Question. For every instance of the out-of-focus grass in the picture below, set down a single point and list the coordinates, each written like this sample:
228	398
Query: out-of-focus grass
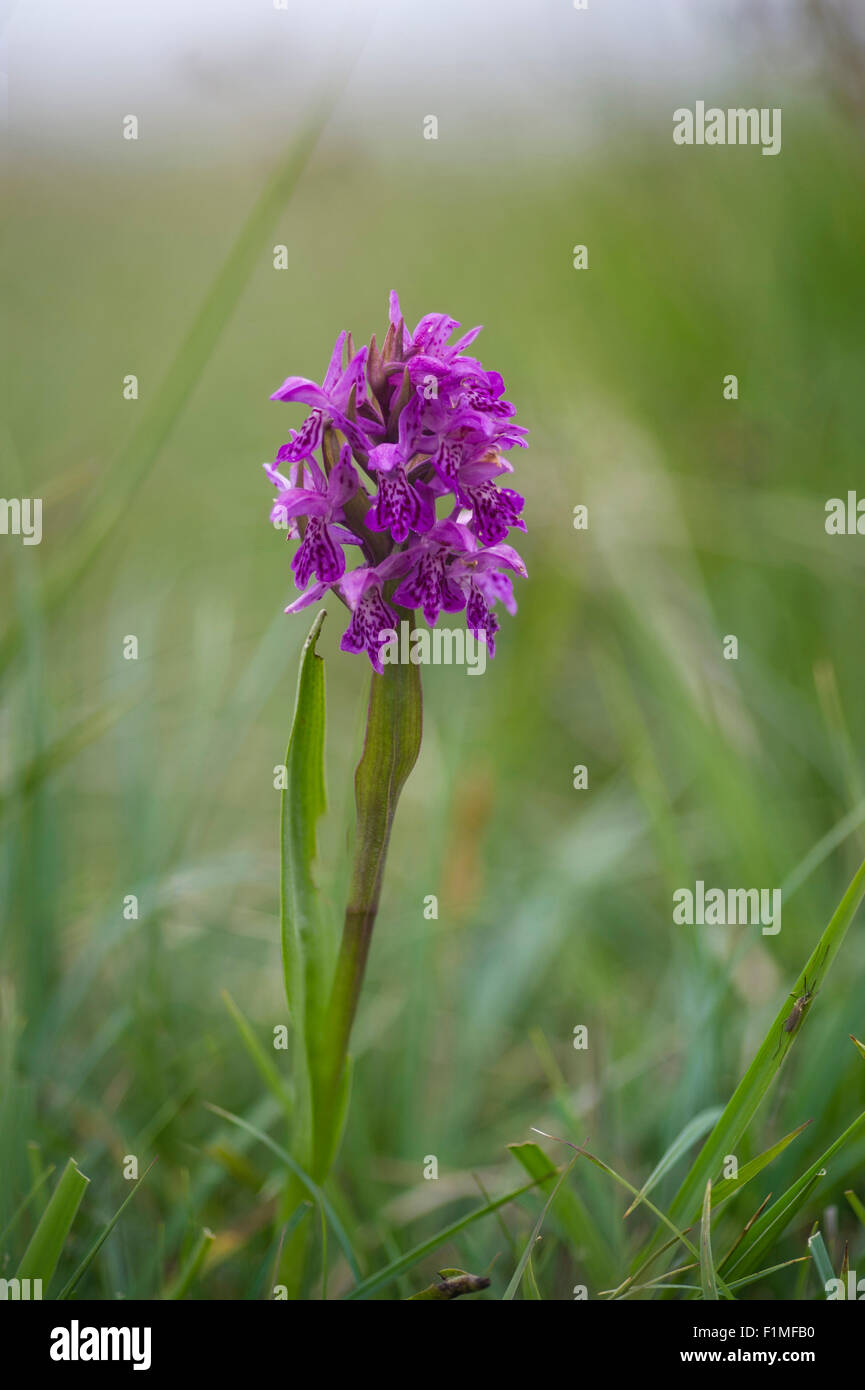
706	518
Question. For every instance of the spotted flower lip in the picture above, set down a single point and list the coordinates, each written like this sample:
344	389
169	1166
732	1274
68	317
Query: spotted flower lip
320	550
400	458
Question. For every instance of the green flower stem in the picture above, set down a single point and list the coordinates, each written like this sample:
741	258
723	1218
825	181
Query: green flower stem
391	747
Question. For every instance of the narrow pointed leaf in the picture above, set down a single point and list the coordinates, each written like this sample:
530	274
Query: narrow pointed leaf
72	1283
39	1260
536	1230
707	1269
693	1130
820	1256
312	1187
399	1266
748	1095
767	1227
727	1187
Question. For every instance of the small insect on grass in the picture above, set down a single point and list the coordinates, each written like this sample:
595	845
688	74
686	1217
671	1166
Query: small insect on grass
801	1003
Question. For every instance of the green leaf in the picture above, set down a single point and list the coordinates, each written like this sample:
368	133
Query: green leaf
303	802
770	1057
661	1215
191	1267
290	1226
39	1260
856	1205
707	1268
403	1262
820	1256
531	1292
264	1064
305	956
572	1215
727	1187
774	1220
71	1284
19	1211
693	1130
305	1180
509	1292
764	1273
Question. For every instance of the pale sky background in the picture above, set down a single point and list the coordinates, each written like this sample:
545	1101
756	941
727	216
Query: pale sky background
213	77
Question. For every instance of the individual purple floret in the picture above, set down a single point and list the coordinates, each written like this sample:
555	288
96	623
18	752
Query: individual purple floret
401	457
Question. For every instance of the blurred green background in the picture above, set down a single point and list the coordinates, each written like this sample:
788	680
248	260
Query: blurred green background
155	776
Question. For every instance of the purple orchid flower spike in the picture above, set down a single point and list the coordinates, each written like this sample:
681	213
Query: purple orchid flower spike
417	426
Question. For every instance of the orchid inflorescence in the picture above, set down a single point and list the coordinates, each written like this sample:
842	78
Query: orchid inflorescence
398	429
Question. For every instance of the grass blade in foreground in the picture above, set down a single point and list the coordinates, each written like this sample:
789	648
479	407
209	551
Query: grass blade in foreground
305	1180
509	1292
765	1066
403	1262
707	1269
39	1260
71	1284
693	1130
820	1256
727	1187
772	1221
191	1268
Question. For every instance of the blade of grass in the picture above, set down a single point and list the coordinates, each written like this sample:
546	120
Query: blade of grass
23	1205
708	1282
856	1205
767	1228
263	1064
696	1288
755	1083
191	1267
784	1209
39	1260
820	1256
571	1213
72	1283
693	1130
302	1210
629	1187
403	1262
728	1187
531	1292
306	1181
514	1284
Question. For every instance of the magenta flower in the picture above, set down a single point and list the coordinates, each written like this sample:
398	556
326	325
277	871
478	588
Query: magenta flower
320	550
370	617
413	482
400	506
